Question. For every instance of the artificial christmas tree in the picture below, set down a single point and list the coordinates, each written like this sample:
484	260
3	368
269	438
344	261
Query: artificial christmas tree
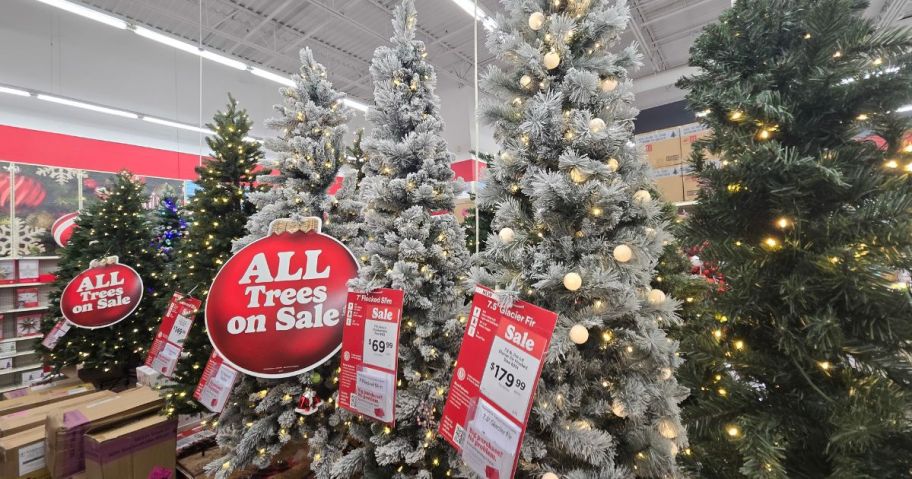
117	225
576	231
407	180
477	223
344	217
218	215
170	226
807	370
260	417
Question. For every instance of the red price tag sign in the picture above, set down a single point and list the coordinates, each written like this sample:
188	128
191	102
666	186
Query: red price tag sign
370	354
497	371
215	384
101	296
169	341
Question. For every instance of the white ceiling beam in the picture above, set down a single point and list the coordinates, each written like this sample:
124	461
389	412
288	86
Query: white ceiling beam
266	20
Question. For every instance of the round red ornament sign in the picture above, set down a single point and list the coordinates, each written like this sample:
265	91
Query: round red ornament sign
275	308
102	295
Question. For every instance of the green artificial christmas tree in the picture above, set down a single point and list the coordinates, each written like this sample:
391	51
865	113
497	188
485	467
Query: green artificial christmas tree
217	213
407	178
806	359
576	231
170	226
259	418
117	225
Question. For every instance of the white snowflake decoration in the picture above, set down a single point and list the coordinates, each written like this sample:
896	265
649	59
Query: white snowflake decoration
30	239
12	168
61	175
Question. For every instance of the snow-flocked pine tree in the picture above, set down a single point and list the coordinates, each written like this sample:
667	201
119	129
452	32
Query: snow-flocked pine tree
259	418
576	231
344	217
416	245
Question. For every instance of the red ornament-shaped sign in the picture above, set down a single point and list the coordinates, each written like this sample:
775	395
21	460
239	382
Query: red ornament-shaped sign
275	308
102	295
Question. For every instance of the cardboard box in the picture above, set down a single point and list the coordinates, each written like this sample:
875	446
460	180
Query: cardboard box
669	183
36	416
27	271
64	390
7	271
65	428
22	455
134	450
691	133
663	147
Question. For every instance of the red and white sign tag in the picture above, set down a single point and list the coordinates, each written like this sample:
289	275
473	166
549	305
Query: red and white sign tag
490	395
275	308
215	384
370	354
53	336
169	341
102	295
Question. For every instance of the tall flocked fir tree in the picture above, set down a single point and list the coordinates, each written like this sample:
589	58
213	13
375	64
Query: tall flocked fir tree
259	418
576	231
411	246
807	365
117	225
344	216
218	213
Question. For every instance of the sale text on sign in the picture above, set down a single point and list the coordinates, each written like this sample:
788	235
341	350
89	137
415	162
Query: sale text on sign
497	371
169	341
370	354
102	295
275	307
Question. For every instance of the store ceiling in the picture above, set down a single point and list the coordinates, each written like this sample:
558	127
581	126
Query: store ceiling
344	33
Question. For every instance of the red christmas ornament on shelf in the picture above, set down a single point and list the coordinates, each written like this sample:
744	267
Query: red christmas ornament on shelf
29	191
89	183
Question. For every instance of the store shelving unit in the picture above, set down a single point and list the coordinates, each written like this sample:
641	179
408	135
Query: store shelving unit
21	349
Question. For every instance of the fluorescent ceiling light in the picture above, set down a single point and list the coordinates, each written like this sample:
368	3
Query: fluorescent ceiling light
87	106
13	91
229	62
272	76
87	13
470	8
904	109
166	40
175	124
357	105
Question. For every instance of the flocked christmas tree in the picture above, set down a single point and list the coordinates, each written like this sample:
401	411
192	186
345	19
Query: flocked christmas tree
407	181
117	225
344	217
259	418
578	233
807	369
218	213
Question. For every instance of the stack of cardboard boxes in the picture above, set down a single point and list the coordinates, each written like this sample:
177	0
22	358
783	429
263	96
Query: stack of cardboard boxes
75	431
668	152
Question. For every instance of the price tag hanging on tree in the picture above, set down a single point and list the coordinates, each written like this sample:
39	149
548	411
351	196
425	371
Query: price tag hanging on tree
215	384
370	354
102	295
491	392
169	341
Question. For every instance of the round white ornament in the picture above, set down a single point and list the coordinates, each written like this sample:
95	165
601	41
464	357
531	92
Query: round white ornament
665	374
506	157
577	175
551	60
536	21
623	253
579	334
655	297
609	84
506	235
667	428
618	408
573	281
525	81
613	164
549	475
642	196
596	125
